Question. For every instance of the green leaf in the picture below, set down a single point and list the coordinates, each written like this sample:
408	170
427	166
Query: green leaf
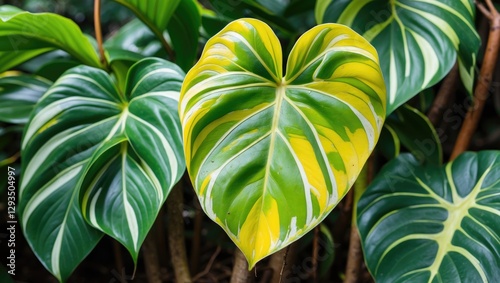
271	155
25	35
416	133
136	37
418	40
183	30
18	96
120	61
433	224
91	151
155	14
389	144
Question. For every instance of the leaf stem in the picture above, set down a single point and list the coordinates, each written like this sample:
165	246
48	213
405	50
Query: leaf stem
98	31
484	82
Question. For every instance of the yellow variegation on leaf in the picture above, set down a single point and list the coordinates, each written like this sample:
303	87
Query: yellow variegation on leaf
271	155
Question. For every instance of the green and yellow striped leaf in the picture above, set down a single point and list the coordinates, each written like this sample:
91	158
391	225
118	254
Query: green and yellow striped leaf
417	40
92	154
433	224
271	155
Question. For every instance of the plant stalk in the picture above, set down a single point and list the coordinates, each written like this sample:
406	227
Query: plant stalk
484	82
151	260
444	96
175	203
240	269
355	256
98	31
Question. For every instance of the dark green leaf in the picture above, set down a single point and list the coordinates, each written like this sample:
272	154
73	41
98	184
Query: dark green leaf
18	96
416	133
183	29
427	223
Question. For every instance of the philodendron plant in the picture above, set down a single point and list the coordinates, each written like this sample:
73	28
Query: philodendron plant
271	144
270	155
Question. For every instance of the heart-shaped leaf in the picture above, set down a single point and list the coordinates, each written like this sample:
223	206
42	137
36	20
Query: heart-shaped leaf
270	156
418	41
433	224
113	156
25	35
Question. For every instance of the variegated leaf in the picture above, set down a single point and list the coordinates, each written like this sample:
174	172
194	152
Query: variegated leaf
417	40
270	156
90	151
433	223
18	95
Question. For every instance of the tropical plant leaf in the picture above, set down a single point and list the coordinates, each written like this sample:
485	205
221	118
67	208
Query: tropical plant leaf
420	138
418	40
18	96
270	156
155	14
136	37
25	35
183	29
433	224
113	155
389	144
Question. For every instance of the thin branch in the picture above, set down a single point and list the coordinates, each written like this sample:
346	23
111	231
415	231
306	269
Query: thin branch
196	241
484	10
482	89
209	265
98	31
443	98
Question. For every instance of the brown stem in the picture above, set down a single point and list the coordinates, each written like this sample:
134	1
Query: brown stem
175	203
278	263
209	265
354	256
151	260
98	31
315	251
444	96
481	92
196	242
119	261
240	269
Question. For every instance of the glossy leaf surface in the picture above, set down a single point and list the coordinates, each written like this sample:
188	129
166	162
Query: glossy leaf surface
433	224
90	151
415	132
271	155
25	35
417	41
183	30
18	96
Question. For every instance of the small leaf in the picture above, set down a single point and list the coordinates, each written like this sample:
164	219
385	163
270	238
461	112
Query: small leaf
271	155
417	134
18	96
427	223
25	35
136	37
155	14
